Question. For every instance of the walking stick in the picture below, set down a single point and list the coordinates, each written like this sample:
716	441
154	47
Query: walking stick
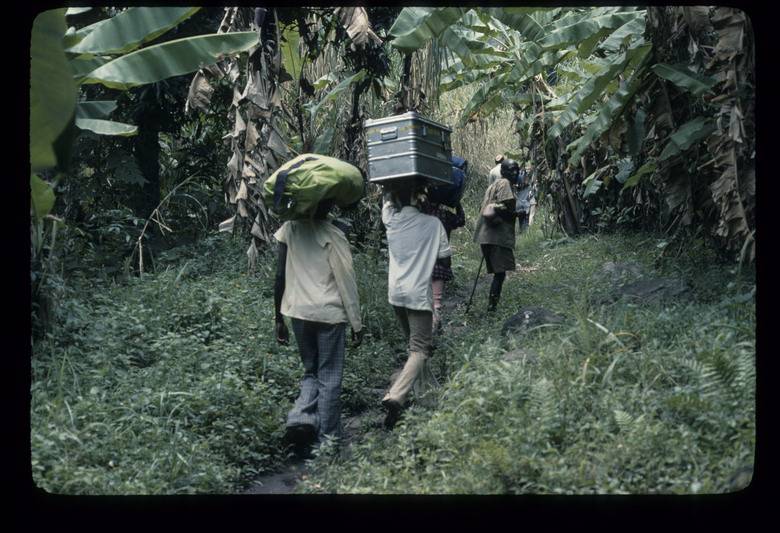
475	284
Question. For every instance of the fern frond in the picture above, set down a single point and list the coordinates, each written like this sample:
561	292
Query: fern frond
624	421
706	377
744	382
542	401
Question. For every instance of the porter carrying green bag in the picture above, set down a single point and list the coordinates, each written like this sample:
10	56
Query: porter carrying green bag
295	189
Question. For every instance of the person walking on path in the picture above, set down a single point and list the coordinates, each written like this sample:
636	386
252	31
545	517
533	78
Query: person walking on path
415	241
495	172
524	194
316	288
442	268
495	231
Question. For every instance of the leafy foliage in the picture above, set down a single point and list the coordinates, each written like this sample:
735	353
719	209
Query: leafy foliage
613	68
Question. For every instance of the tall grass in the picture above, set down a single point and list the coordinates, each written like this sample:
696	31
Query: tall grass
620	398
173	382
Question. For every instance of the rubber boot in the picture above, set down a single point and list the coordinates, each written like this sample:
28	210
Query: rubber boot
493	302
495	291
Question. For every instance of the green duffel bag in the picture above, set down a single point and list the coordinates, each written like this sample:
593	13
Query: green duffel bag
295	189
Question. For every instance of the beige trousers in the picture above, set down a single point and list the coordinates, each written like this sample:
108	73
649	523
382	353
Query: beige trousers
416	326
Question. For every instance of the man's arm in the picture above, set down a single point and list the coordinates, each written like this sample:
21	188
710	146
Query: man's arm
388	207
282	334
444	250
505	202
506	210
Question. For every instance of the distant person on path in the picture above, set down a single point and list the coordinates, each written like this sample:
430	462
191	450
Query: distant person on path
495	231
532	209
415	241
495	172
442	269
524	197
316	288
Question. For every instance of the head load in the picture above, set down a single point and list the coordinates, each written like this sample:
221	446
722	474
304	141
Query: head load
298	187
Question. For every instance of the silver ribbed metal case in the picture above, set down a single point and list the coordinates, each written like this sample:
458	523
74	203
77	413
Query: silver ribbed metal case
406	145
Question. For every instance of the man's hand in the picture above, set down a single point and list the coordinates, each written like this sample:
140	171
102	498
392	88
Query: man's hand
357	338
282	333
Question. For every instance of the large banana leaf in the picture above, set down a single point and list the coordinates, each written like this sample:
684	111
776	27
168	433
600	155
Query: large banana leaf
52	91
584	29
130	29
334	93
415	26
86	63
609	112
629	31
594	88
174	58
486	99
684	78
472	52
647	168
521	73
41	197
590	91
585	48
106	127
457	75
520	19
626	32
324	140
686	136
291	55
325	80
95	109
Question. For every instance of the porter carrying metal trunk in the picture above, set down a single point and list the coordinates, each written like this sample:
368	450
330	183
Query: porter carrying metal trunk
406	146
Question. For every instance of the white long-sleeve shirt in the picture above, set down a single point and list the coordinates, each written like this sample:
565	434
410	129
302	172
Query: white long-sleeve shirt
415	241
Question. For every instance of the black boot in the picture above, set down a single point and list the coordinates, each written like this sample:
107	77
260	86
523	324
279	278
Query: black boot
492	302
495	291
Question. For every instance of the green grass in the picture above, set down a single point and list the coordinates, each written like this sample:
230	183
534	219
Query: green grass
622	398
173	383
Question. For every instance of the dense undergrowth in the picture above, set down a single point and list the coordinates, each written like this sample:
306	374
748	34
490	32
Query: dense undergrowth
173	383
619	398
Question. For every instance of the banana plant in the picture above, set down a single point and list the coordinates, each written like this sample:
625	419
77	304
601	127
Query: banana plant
111	52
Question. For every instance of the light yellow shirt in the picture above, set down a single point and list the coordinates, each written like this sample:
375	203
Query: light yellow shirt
414	241
320	281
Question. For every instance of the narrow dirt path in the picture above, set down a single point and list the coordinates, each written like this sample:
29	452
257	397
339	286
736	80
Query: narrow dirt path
286	480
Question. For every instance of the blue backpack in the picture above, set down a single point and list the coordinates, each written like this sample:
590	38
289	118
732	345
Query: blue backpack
450	195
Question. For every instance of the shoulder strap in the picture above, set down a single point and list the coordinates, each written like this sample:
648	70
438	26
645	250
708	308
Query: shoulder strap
281	180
